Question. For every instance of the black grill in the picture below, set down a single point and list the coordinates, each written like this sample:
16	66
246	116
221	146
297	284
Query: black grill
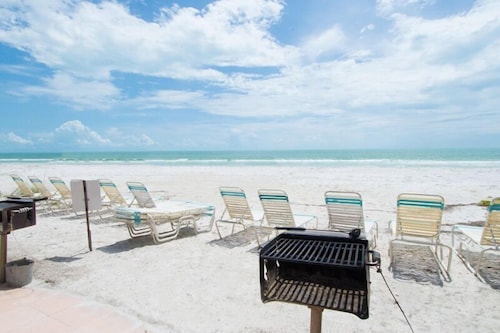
324	269
14	214
17	214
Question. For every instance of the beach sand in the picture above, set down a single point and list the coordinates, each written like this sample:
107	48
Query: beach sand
198	283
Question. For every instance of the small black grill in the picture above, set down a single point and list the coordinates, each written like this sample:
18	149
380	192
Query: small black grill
15	213
321	269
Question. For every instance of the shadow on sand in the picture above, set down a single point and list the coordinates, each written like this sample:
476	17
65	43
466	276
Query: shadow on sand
416	263
242	238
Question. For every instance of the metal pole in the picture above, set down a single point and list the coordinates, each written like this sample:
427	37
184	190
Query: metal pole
89	236
316	317
3	257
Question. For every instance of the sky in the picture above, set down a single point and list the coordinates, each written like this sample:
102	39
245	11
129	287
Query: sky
135	75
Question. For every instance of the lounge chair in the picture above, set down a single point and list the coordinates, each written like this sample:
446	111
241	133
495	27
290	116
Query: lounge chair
419	222
141	195
23	189
487	238
278	213
115	198
237	211
63	190
345	213
52	198
175	214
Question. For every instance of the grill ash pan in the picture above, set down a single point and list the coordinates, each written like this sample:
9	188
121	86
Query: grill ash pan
323	269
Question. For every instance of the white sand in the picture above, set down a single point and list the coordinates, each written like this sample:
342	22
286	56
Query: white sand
193	284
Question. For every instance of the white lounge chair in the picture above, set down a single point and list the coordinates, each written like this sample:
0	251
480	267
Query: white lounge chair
237	211
53	199
115	198
485	238
63	190
23	189
164	223
142	196
278	214
418	221
345	213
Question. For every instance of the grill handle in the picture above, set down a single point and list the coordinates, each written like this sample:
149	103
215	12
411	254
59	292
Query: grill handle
374	259
290	228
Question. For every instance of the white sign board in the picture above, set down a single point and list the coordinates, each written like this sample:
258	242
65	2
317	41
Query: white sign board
93	195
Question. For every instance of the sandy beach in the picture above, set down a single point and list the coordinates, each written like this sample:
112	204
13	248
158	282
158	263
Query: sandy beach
198	283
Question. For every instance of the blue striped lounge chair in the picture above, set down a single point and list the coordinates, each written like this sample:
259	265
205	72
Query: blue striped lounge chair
237	210
419	218
485	238
345	213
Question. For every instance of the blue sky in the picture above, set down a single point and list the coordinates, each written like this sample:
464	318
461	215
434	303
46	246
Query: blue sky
239	74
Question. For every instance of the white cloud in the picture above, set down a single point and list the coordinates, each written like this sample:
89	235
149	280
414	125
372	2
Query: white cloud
91	40
387	7
14	138
75	131
78	93
327	43
129	139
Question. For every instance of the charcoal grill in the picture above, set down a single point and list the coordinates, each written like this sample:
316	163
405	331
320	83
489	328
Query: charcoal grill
14	214
320	269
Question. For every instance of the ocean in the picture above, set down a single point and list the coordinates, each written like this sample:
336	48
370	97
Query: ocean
487	157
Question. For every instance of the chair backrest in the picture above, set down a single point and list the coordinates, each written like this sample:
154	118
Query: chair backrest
24	190
141	194
419	215
61	187
110	189
236	203
277	210
40	187
345	210
491	231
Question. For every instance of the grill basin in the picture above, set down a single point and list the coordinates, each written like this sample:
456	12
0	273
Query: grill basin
322	269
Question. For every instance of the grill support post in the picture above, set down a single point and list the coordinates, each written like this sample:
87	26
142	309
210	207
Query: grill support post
316	318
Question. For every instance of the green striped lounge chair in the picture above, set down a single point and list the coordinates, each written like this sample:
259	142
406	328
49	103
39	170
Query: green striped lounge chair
115	198
278	213
485	238
419	218
345	213
237	210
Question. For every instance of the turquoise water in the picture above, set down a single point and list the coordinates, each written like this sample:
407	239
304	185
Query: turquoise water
377	157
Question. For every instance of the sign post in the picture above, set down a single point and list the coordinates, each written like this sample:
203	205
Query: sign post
86	196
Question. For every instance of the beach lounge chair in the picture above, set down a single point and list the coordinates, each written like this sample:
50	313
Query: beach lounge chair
237	211
23	189
52	198
164	222
115	198
485	238
63	190
345	213
141	195
278	213
418	221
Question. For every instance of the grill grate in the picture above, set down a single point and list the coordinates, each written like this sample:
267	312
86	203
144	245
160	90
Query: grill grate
316	252
320	295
